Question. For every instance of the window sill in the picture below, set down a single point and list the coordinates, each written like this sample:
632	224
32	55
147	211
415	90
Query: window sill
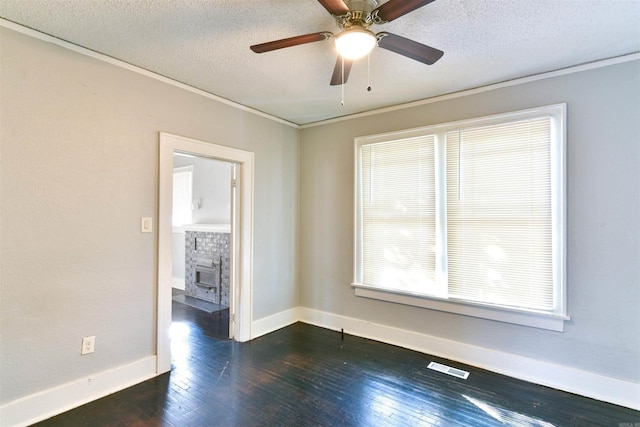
532	319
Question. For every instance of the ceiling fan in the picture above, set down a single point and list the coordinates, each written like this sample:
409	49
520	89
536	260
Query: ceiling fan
355	40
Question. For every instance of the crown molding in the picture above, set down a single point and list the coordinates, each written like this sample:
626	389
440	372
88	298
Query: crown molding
122	64
521	80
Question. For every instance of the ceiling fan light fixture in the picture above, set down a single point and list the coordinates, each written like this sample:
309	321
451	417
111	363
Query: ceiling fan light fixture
355	43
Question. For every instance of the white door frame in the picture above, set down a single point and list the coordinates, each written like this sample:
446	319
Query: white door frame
241	299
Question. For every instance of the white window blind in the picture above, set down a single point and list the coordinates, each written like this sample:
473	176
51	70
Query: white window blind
499	246
398	214
467	213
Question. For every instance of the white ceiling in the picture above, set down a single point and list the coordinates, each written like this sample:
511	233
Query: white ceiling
205	44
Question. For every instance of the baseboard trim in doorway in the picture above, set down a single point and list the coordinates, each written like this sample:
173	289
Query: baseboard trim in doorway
48	403
177	282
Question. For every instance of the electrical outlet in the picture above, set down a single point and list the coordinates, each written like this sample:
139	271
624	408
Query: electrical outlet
88	345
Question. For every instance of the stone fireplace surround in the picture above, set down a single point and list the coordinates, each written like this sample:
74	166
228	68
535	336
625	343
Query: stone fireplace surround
207	263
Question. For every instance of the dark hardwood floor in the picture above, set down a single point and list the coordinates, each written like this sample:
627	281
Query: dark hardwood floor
303	375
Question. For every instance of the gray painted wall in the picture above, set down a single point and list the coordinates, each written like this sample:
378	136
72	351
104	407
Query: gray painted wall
603	228
79	167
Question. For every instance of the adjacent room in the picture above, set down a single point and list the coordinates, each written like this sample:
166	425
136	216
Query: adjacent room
201	226
442	228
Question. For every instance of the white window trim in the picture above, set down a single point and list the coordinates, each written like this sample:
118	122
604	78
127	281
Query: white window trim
543	320
185	169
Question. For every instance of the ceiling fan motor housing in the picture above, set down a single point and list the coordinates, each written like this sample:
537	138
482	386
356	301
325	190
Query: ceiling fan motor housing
363	5
359	15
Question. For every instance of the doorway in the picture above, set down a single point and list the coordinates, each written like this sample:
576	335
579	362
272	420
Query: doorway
240	228
201	250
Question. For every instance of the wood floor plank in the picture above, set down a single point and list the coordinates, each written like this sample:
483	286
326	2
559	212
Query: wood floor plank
303	375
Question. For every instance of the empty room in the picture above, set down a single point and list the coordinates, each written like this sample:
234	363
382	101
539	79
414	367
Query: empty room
426	212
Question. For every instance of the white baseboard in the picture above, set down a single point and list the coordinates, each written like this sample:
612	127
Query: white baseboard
46	404
560	377
177	282
274	322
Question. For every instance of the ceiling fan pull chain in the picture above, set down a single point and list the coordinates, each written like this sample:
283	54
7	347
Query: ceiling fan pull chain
369	72
342	85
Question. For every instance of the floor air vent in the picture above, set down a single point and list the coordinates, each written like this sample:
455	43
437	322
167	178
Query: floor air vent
448	370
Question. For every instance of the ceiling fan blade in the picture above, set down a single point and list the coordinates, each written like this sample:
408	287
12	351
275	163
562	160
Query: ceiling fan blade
409	48
335	7
396	8
291	41
336	78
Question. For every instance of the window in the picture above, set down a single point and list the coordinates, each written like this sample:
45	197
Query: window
466	217
182	196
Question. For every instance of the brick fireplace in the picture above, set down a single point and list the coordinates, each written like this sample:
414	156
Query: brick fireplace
207	266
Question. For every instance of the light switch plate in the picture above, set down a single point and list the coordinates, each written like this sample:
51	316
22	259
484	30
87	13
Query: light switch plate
146	224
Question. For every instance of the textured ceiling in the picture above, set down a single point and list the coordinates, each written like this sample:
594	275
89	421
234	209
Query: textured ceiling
205	44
